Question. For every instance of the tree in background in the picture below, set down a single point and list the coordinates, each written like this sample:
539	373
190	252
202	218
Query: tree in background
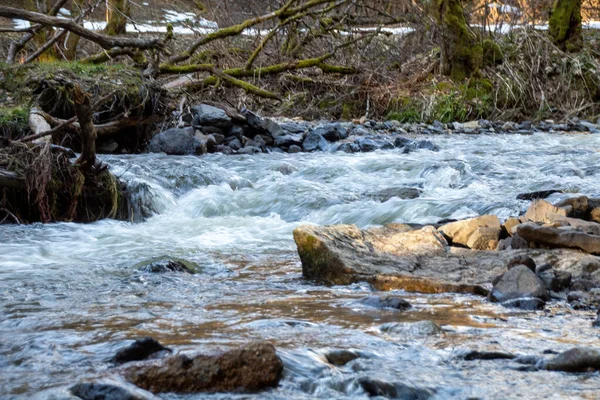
565	24
461	53
69	46
117	13
42	6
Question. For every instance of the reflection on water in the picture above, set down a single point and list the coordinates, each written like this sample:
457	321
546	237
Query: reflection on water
70	296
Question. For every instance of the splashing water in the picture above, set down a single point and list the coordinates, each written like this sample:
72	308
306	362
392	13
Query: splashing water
71	294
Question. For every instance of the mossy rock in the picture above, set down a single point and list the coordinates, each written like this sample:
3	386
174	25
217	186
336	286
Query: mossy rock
166	264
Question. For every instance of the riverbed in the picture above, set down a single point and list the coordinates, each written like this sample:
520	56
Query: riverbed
73	294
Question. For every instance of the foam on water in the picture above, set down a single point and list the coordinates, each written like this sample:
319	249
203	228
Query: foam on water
71	294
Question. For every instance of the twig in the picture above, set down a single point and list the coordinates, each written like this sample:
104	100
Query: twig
65	124
9	214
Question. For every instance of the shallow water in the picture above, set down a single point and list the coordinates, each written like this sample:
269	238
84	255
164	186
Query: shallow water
71	294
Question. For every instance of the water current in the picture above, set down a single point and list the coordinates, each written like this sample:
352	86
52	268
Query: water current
73	294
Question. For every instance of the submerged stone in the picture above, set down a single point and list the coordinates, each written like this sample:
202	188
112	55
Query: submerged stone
394	390
109	389
139	350
578	359
341	357
251	368
394	302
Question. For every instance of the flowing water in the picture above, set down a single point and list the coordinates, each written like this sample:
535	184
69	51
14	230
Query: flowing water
73	294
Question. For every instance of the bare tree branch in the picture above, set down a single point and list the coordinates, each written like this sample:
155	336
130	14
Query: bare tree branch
105	41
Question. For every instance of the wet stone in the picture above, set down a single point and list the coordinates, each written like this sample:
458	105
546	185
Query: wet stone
412	329
487	355
517	283
526	303
108	389
164	265
139	350
394	390
578	359
341	357
394	302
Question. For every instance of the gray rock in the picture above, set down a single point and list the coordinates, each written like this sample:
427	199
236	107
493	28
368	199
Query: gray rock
522	259
210	130
412	329
541	194
139	350
361	131
487	355
237	131
555	281
286	141
176	142
294	149
341	357
394	302
250	150
350	148
235	144
262	125
578	359
559	238
399	192
527	303
314	142
224	149
367	145
109	389
518	282
420	145
457	126
206	115
332	132
396	390
402	141
167	264
294	127
259	141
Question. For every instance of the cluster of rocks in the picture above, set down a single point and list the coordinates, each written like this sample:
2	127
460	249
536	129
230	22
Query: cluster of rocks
491	127
217	130
214	128
549	252
146	368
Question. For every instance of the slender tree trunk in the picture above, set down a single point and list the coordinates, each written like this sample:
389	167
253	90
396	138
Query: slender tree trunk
42	6
117	12
565	24
83	110
461	54
69	45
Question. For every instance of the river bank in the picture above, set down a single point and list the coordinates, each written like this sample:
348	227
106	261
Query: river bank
79	295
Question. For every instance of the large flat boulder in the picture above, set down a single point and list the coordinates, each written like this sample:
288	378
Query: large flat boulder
398	257
250	368
559	238
394	257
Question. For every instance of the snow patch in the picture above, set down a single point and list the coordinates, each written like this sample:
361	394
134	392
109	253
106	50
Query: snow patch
21	24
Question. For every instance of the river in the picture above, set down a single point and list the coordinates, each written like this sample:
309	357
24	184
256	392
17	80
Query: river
72	294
